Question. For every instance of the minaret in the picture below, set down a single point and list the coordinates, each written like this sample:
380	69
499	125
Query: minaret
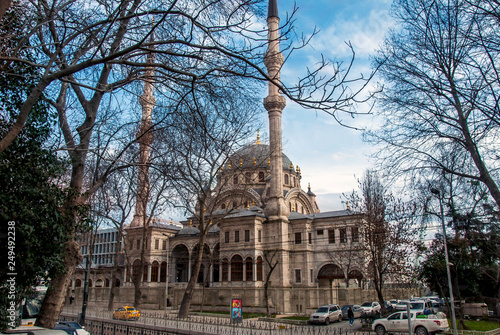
274	104
145	138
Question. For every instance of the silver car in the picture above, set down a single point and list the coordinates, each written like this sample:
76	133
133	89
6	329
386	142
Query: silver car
326	314
356	309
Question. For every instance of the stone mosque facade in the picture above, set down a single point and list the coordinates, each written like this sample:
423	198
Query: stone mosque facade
266	220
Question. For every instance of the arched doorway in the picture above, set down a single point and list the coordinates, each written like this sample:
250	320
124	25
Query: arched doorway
328	274
180	259
355	277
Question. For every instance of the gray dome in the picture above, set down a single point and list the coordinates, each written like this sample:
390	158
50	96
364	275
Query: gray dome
258	151
189	231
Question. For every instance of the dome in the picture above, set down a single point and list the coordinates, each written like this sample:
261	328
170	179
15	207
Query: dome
261	154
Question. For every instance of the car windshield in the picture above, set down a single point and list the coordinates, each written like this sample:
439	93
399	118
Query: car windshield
72	324
366	304
417	305
130	308
322	310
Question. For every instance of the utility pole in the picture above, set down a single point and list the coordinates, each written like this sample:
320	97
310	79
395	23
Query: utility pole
452	300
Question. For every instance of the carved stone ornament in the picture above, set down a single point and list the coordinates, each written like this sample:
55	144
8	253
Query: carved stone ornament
274	102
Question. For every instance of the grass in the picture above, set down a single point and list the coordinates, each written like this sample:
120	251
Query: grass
481	325
299	318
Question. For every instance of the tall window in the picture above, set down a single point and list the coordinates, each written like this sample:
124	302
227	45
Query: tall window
236	268
298	238
157	244
286	179
355	234
311	275
260	236
237	236
247	177
261	176
163	272
249	269
154	271
310	238
145	273
235	180
164	246
138	244
225	269
259	268
331	236
247	235
298	276
343	235
226	237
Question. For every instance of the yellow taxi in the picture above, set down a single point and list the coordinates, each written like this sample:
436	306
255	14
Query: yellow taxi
126	313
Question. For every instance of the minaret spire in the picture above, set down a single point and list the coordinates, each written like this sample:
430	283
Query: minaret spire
274	104
145	139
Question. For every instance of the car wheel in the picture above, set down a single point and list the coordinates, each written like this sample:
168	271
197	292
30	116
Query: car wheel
340	317
327	321
380	330
421	331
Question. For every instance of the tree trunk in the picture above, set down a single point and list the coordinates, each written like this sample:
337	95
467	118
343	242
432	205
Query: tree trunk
113	273
188	294
56	294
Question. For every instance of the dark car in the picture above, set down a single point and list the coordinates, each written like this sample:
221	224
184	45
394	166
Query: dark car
356	309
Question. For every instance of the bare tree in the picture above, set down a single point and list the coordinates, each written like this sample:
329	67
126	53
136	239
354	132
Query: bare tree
272	260
441	92
388	232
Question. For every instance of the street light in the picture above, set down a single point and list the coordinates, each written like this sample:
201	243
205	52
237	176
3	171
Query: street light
452	301
166	274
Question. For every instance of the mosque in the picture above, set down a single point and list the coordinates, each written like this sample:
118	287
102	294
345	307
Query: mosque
270	232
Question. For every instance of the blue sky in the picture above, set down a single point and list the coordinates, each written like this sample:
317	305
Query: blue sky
329	155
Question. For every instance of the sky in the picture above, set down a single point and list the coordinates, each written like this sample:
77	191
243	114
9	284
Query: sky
331	157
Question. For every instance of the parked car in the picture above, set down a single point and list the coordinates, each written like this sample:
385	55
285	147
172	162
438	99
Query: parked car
356	309
126	313
371	307
326	314
422	307
79	329
398	323
401	305
34	330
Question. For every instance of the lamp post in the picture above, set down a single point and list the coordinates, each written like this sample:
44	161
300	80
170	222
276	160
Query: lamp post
166	274
452	300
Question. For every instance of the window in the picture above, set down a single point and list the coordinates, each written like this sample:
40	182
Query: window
164	246
261	176
138	244
163	272
298	277
157	244
247	235
154	271
237	236
319	232
235	180
260	235
249	269
331	236
237	268
310	238
247	178
311	275
286	179
225	268
226	237
355	234
298	238
259	268
343	235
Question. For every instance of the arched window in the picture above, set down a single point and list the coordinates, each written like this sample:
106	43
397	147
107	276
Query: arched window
236	268
235	180
78	283
163	272
259	268
249	269
286	179
225	269
247	177
261	176
145	273
223	206
154	272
